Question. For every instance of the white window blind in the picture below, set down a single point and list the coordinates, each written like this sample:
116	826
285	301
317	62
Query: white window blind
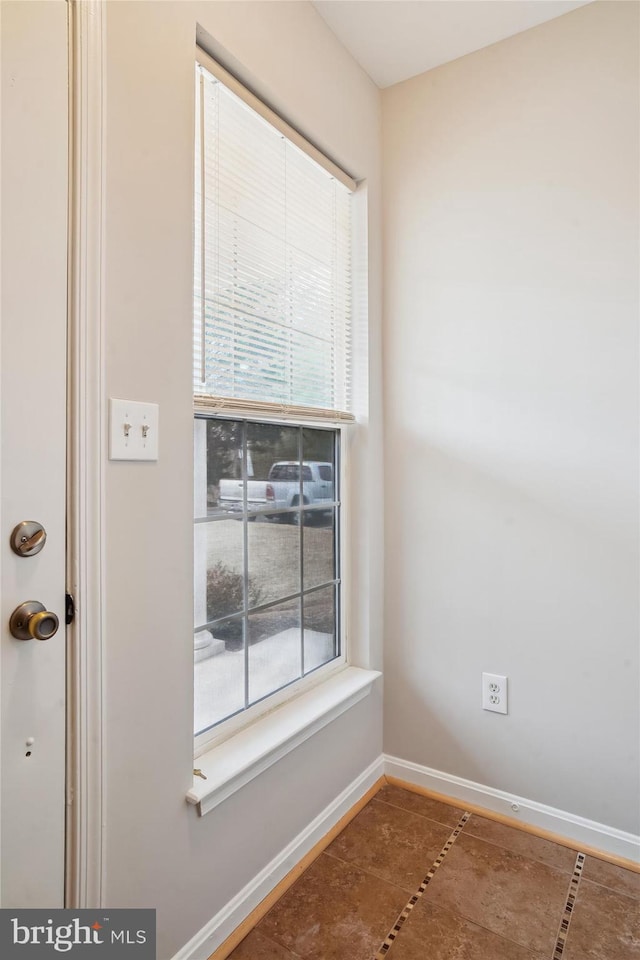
272	278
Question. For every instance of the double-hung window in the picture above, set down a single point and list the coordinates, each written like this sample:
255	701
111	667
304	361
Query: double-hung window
272	358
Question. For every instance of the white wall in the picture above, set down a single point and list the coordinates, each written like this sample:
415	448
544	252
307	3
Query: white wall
511	417
158	853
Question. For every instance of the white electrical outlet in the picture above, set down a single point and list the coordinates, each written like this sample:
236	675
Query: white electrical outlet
494	693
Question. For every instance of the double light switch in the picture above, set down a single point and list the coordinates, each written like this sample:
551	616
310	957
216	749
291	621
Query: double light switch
133	430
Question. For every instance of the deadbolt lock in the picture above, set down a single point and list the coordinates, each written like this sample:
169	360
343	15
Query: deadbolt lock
31	621
28	538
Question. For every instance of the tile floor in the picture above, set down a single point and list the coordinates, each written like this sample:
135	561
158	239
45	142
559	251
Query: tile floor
411	878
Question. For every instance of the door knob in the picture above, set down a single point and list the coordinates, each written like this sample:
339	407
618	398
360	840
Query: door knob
31	621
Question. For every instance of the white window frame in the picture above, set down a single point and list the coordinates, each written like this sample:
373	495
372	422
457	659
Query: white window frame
261	734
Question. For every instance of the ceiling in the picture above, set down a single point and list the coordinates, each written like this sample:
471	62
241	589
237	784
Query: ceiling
396	39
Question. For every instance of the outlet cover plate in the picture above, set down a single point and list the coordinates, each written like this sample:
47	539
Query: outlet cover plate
494	693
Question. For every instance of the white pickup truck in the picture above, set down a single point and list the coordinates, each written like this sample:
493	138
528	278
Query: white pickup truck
282	488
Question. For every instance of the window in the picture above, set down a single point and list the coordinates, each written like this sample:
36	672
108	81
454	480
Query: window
272	309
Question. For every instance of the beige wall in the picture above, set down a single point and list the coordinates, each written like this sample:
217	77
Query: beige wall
158	853
511	416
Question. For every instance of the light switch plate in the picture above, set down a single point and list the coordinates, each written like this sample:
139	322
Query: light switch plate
133	430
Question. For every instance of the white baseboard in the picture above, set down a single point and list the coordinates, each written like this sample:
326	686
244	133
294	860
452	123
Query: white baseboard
585	833
578	829
236	910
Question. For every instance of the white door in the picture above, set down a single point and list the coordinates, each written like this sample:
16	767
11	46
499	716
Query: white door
33	312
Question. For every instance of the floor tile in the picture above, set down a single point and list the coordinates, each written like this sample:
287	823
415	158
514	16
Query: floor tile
513	896
258	947
391	843
604	925
523	843
441	935
416	803
334	911
616	878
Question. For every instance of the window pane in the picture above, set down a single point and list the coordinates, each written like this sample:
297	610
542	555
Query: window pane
273	462
274	560
218	467
219	569
319	446
319	548
320	644
275	651
218	674
271	443
319	457
200	483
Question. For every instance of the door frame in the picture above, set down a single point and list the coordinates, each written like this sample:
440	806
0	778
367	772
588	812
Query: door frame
86	452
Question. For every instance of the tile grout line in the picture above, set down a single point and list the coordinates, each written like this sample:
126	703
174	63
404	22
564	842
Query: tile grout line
393	933
574	883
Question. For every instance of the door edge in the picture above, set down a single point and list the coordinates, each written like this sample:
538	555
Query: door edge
86	443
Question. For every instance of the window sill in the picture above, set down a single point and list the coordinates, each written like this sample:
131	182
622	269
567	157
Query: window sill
234	763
